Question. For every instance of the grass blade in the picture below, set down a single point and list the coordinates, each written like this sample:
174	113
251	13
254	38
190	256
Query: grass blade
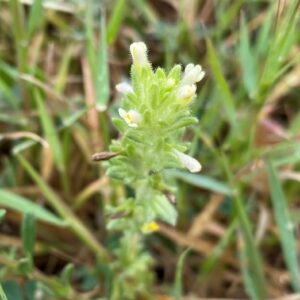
50	132
221	82
28	233
254	263
102	78
203	181
24	205
247	60
35	17
248	279
115	21
89	35
2	214
210	262
2	294
178	276
285	226
64	211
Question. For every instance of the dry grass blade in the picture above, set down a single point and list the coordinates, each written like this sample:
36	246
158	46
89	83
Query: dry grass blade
202	220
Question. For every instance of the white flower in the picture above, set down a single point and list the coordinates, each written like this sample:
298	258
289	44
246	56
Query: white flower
186	93
188	162
138	52
124	88
192	74
131	117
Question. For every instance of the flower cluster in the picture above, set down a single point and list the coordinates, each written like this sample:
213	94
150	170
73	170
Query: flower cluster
153	116
156	103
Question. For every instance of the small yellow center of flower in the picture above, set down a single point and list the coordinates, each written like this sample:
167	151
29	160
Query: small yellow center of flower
150	227
128	118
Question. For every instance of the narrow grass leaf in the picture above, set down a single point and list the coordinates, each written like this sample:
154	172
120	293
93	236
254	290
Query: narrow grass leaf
178	275
115	21
50	132
2	214
35	17
62	76
63	210
219	249
247	60
253	264
264	36
102	77
2	294
285	226
282	43
28	233
146	10
24	205
221	82
202	181
89	33
248	279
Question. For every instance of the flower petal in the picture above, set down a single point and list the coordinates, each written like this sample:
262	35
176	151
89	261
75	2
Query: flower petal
189	162
192	74
138	52
135	116
124	88
186	93
150	227
122	113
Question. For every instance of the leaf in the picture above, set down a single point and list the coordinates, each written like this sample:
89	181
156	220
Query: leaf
12	290
2	294
24	205
221	82
209	263
102	77
247	60
50	132
28	233
203	181
178	276
285	226
164	210
67	273
248	278
115	21
35	17
2	214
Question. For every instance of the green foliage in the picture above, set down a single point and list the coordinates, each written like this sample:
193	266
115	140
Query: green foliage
69	231
285	225
28	234
21	204
179	273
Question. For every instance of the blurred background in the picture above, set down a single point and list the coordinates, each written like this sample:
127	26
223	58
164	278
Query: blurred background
59	64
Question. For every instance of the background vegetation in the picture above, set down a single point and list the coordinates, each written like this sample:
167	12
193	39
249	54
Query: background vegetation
59	63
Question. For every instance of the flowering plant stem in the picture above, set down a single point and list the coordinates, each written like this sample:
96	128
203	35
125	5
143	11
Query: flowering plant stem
154	113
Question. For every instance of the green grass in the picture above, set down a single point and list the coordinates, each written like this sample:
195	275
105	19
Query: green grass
59	63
